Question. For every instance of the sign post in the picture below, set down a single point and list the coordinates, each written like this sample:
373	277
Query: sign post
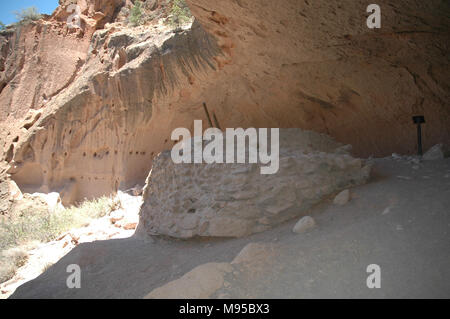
419	120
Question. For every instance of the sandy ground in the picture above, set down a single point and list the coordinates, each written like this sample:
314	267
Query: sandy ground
400	221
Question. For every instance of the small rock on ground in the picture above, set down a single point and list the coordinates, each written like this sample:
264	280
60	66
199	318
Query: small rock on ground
342	198
434	153
253	252
199	283
304	224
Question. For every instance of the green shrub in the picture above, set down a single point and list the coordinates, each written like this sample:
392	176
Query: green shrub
2	26
136	12
27	15
179	13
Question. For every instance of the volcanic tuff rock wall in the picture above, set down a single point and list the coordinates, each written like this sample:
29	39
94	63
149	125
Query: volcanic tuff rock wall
101	132
40	59
85	112
314	64
37	62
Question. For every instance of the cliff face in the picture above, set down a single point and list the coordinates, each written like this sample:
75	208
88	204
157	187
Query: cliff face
40	59
85	111
100	131
316	65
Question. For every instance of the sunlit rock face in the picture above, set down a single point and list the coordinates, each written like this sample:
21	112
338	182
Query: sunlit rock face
234	200
100	132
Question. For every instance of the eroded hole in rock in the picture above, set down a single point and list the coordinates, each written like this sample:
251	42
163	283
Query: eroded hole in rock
10	153
28	125
2	86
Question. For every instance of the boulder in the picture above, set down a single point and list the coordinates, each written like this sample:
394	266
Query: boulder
234	200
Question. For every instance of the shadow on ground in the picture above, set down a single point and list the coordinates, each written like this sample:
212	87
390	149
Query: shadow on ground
400	221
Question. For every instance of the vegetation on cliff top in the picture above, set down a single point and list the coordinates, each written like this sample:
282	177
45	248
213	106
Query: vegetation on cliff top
136	13
179	13
176	11
27	15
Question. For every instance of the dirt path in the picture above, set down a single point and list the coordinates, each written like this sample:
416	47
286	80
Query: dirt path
399	221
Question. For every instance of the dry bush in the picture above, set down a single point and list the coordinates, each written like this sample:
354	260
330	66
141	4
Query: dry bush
11	260
27	15
43	226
